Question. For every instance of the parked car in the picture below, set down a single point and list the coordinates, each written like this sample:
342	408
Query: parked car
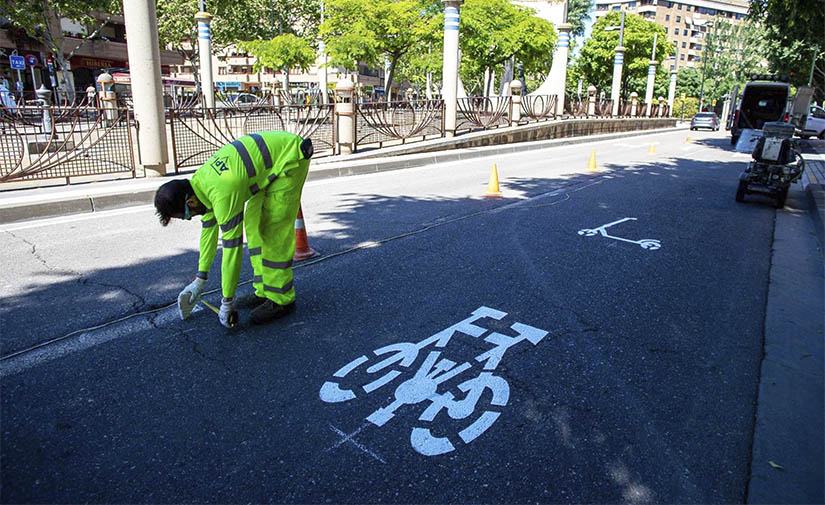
764	99
239	101
815	125
705	120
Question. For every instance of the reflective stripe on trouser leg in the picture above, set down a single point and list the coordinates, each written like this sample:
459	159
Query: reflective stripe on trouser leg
283	197
254	241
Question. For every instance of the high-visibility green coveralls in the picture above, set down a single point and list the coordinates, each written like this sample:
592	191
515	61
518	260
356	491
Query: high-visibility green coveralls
266	171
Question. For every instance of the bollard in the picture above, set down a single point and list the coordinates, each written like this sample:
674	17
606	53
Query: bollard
44	100
591	100
516	89
345	116
108	98
634	103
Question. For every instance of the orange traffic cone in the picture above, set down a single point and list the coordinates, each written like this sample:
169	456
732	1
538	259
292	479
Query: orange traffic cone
492	186
302	249
591	163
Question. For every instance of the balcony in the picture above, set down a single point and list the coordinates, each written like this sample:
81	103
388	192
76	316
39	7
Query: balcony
646	8
241	60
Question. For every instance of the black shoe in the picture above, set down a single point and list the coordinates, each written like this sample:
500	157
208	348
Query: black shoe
248	301
269	311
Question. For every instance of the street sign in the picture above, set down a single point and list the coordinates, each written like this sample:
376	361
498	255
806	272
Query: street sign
31	60
17	62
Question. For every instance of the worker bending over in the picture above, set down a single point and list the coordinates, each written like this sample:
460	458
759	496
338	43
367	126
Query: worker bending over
265	172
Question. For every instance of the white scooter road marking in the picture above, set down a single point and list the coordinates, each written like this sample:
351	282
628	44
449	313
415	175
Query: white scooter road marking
645	243
434	373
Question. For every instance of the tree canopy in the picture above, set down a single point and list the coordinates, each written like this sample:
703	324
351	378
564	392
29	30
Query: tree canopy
793	32
596	59
378	31
493	31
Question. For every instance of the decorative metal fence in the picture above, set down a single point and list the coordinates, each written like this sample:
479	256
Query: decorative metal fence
196	133
383	122
539	107
44	142
482	112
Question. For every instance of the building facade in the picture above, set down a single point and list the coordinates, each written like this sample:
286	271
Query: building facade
686	22
87	57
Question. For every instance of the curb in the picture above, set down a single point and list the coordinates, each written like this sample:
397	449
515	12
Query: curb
84	203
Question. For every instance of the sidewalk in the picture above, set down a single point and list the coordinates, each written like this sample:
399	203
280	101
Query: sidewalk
787	460
814	181
37	203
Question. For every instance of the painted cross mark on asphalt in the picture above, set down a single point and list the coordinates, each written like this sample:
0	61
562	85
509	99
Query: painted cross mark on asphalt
646	243
350	438
440	383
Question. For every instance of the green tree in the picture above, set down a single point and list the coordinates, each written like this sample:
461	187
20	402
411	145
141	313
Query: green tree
578	14
596	57
282	52
379	31
688	82
732	53
793	32
494	31
233	21
40	19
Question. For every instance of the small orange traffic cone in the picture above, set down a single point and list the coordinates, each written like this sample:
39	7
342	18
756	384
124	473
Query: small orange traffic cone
302	249
492	186
652	149
687	140
591	163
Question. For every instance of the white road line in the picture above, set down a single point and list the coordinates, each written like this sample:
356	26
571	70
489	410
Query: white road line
73	218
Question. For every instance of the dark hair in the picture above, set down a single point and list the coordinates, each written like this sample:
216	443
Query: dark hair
170	199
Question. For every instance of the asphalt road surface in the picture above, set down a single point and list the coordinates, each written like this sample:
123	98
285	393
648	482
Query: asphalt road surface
589	337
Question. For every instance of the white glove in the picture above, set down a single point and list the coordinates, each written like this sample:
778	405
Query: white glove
227	314
194	289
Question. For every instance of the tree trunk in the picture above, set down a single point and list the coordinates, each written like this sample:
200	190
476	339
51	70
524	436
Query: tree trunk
388	88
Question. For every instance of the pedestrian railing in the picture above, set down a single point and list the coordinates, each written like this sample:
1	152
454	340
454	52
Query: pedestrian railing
398	122
196	133
89	136
52	141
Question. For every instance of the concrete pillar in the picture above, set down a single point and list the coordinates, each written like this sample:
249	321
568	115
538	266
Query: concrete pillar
450	68
205	57
558	72
591	100
618	62
147	93
345	115
651	77
634	103
671	90
516	88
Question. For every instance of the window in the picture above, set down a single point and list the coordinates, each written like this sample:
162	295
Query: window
667	17
675	31
711	12
702	10
679	6
678	19
601	7
684	45
631	5
698	47
665	30
681	56
617	7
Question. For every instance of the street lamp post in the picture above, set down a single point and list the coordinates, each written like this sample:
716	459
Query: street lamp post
618	62
651	74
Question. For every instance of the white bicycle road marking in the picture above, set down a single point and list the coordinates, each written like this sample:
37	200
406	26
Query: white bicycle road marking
645	243
435	373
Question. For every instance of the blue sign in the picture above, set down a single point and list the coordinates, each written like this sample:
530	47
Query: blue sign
17	62
31	60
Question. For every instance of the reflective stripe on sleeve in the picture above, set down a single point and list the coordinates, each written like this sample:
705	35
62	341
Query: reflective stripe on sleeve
209	223
233	242
254	188
255	251
233	222
280	265
247	161
259	141
282	290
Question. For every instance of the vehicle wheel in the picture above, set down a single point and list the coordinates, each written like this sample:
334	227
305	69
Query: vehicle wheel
780	199
741	190
733	140
821	135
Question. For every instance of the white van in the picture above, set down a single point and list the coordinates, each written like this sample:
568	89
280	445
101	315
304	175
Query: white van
764	99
